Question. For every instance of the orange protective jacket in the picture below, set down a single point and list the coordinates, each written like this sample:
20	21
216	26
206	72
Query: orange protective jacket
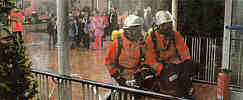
171	55
128	59
16	22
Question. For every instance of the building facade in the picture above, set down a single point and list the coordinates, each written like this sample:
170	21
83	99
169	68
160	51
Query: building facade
98	4
121	5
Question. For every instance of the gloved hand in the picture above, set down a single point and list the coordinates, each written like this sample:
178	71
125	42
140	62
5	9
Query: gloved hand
119	79
145	77
122	81
132	83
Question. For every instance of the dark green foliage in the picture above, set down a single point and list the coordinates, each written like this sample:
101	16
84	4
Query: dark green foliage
16	81
205	17
6	5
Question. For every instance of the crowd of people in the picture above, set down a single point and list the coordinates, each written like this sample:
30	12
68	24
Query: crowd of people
94	26
88	26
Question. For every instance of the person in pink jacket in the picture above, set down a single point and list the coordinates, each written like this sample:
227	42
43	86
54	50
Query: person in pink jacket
99	31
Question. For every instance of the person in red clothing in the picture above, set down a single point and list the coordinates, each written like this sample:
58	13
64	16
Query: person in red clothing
106	27
170	44
16	22
105	19
167	47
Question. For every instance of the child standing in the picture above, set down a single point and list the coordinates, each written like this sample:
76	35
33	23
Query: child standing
99	31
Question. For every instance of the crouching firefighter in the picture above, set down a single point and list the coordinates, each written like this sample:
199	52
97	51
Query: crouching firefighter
167	46
125	56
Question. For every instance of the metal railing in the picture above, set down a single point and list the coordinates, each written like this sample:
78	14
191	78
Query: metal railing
51	86
236	54
208	52
205	51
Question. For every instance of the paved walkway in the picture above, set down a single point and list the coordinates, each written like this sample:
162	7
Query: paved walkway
85	63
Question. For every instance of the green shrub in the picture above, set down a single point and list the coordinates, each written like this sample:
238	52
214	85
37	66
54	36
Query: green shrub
16	81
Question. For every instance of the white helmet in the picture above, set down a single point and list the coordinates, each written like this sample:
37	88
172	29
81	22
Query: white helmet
163	17
16	10
133	20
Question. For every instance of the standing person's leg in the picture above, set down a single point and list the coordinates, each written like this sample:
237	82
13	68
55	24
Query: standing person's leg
106	30
88	40
54	39
104	34
78	40
112	28
75	40
49	42
81	39
15	36
95	44
93	38
53	36
109	32
100	41
85	39
71	42
20	37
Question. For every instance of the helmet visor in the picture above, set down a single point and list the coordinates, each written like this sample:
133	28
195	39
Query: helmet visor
134	29
134	33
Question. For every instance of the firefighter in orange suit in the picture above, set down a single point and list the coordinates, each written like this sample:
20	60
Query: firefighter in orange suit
167	46
169	43
127	52
16	22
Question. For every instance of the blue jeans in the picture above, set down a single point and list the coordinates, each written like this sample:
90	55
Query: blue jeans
71	42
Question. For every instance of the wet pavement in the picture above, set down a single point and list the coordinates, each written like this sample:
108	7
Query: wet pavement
85	63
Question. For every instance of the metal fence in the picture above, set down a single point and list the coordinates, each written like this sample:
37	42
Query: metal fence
203	50
52	86
207	51
236	54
